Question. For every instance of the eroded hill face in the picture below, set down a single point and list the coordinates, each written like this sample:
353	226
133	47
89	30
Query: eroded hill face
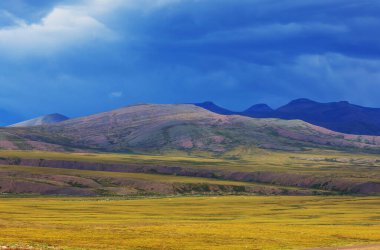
158	128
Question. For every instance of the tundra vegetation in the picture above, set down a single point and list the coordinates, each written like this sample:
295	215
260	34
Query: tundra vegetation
212	222
134	201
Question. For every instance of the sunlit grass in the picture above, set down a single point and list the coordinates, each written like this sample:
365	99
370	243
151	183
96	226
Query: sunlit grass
190	223
231	222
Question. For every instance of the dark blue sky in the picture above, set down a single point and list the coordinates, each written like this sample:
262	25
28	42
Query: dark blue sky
81	57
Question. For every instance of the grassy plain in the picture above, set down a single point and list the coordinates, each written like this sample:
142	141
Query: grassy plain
348	165
220	222
223	222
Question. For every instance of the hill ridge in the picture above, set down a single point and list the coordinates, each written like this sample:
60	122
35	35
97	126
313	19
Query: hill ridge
184	127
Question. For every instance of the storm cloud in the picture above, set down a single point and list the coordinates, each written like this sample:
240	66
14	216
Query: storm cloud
72	56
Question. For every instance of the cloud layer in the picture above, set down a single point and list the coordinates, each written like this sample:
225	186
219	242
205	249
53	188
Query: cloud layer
76	57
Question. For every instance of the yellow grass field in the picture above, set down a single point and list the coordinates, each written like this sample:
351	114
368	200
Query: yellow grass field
221	222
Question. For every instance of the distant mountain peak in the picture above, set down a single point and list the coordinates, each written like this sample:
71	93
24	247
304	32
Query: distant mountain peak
261	108
42	120
208	103
56	115
214	108
302	101
344	102
340	116
298	104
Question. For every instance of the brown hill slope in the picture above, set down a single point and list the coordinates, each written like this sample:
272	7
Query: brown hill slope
156	128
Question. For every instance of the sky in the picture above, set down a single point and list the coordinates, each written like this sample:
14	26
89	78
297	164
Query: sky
86	56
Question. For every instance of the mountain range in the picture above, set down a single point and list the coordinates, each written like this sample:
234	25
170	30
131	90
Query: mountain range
182	127
341	116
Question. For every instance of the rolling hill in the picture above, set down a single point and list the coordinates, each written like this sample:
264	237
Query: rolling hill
42	120
183	127
266	156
